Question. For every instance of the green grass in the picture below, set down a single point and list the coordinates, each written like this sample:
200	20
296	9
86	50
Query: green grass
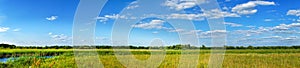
279	58
142	51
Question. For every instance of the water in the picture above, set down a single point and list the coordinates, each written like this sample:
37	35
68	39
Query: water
4	60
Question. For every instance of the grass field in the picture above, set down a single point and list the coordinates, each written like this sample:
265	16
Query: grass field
278	58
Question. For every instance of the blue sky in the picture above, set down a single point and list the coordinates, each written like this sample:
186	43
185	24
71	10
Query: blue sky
248	22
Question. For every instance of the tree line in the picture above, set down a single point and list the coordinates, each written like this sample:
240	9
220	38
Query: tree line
178	46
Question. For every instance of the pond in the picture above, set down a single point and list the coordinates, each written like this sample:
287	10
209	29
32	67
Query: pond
4	60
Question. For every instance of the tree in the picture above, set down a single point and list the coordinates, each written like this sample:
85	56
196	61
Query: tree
7	46
203	47
250	47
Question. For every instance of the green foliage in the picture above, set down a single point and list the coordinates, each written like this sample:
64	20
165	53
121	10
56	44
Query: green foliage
239	58
3	65
7	46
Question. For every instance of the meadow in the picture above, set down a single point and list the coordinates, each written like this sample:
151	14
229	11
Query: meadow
244	58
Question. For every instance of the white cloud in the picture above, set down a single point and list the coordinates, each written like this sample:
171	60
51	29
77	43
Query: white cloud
268	20
105	18
4	29
59	37
155	32
290	38
273	37
216	13
153	24
233	24
134	2
179	4
114	16
211	14
225	8
249	7
132	5
281	38
102	19
279	28
213	34
215	31
283	29
251	26
16	30
186	16
50	33
192	32
285	26
293	12
52	18
176	30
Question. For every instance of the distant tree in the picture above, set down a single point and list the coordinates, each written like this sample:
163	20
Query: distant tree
7	46
296	47
203	47
240	47
178	46
250	47
230	47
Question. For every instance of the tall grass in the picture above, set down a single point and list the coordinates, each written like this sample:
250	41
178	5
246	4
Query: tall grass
232	59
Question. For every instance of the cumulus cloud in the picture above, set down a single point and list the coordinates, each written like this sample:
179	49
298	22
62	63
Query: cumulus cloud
264	41
280	27
105	18
216	13
184	31
4	29
294	12
52	18
213	34
233	24
249	7
153	24
210	14
215	31
132	5
114	16
186	16
180	5
285	26
176	30
283	29
102	19
59	37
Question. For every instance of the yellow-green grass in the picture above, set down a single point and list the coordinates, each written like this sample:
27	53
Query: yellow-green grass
267	58
172	61
143	50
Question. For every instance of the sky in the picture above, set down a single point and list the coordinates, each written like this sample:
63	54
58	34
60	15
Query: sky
248	22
